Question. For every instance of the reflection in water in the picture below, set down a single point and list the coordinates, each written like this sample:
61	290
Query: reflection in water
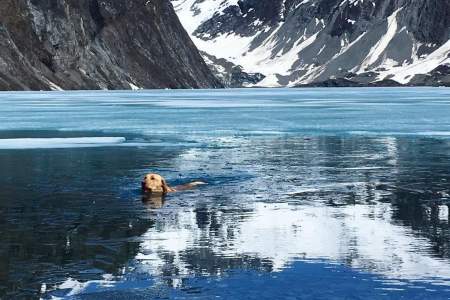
330	199
378	206
153	201
360	236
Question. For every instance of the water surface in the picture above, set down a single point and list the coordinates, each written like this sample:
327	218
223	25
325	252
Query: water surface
346	189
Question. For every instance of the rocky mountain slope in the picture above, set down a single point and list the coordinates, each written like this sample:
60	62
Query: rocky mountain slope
326	42
93	44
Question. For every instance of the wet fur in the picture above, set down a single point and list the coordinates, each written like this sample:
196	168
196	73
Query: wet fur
155	183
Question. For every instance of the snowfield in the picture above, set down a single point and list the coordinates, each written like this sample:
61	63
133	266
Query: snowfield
289	53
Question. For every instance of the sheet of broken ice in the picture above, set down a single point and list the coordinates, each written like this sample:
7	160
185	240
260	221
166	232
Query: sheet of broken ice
392	111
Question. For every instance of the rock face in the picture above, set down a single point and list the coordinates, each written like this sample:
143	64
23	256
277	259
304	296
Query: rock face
231	75
304	42
93	44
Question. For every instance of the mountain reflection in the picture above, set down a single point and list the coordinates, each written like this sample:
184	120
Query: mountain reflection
375	204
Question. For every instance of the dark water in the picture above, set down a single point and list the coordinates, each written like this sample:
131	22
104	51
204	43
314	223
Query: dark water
285	215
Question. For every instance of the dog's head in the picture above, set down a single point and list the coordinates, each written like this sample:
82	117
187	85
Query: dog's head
155	183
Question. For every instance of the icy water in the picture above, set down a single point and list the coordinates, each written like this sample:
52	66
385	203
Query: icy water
312	194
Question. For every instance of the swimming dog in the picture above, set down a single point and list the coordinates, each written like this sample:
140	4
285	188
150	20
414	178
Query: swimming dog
155	183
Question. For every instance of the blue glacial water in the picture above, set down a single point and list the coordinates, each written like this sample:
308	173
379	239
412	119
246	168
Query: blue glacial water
312	194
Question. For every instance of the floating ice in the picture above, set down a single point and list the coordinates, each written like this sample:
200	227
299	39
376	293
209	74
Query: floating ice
48	143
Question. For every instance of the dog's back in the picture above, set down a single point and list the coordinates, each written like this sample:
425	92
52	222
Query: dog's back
188	186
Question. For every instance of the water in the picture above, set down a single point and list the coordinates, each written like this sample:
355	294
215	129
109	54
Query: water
312	194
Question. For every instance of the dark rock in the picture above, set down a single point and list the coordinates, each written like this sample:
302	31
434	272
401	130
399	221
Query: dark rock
385	83
229	74
429	20
337	82
239	78
344	82
440	76
91	44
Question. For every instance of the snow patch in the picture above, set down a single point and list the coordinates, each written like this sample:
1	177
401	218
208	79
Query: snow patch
193	13
53	86
404	74
134	87
383	43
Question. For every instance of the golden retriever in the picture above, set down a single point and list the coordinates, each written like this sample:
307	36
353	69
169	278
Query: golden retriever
155	183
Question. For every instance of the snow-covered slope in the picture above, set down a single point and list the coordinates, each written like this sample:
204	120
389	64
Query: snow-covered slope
295	42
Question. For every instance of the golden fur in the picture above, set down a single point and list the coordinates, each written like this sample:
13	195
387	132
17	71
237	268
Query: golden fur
155	183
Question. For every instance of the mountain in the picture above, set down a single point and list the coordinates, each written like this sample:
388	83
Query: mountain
93	44
325	42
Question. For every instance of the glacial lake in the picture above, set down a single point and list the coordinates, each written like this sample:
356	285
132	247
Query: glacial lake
312	194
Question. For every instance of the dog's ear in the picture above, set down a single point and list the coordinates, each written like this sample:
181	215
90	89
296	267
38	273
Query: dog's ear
165	187
143	185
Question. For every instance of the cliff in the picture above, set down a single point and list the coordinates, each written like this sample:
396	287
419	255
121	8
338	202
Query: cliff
93	44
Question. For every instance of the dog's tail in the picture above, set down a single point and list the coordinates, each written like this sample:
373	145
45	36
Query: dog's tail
195	183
